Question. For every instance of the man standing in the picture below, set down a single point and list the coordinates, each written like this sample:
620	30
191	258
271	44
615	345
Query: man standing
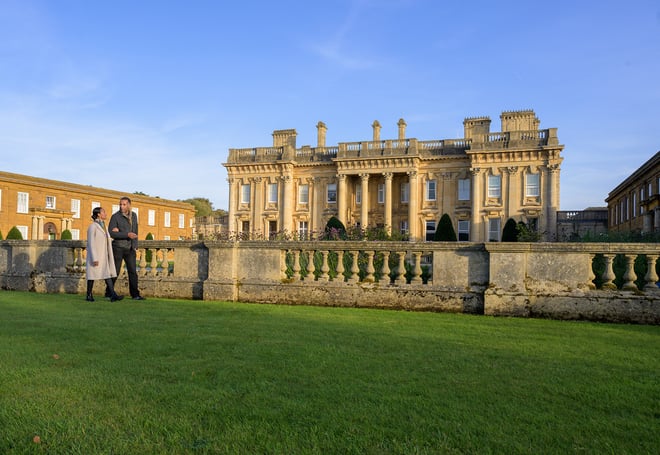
123	228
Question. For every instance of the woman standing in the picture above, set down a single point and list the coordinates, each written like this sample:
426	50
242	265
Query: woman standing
100	263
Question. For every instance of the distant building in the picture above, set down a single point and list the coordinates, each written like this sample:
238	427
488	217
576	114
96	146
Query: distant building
634	205
41	209
210	227
401	184
574	225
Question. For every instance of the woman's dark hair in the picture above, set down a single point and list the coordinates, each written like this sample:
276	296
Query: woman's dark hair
96	212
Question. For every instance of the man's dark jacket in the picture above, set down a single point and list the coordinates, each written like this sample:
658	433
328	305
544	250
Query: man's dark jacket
121	240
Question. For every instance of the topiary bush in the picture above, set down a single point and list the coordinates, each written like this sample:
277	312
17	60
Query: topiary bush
510	231
445	230
66	235
335	229
14	234
148	254
0	235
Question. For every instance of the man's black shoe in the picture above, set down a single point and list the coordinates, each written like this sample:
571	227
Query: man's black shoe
139	297
116	298
89	298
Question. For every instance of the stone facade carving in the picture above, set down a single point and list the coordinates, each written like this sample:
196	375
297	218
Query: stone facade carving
404	184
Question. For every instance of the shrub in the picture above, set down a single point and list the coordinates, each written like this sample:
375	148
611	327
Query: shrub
445	230
335	229
148	254
510	231
66	235
14	234
0	235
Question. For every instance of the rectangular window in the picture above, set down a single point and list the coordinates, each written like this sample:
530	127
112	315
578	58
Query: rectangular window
464	231
115	207
166	237
634	204
405	192
358	193
381	193
332	193
24	232
136	211
75	208
650	190
403	227
50	202
494	186
151	217
272	193
182	221
430	190
75	234
532	185
303	194
430	230
167	219
245	194
494	230
303	229
463	189
22	203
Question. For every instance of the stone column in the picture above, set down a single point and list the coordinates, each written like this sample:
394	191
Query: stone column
317	202
342	197
376	128
475	215
287	201
656	220
364	209
35	228
388	202
552	202
231	213
402	129
413	209
512	196
259	224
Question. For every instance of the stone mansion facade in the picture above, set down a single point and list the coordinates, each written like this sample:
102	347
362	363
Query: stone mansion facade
401	184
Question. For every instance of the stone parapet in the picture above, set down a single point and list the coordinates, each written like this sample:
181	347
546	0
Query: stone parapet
615	282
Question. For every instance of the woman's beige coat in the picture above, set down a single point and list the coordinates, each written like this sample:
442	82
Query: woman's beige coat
99	248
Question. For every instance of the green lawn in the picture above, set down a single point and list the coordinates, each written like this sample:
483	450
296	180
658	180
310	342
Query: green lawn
173	376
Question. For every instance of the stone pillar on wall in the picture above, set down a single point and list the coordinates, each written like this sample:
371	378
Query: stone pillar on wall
475	221
257	209
388	202
552	202
342	198
316	190
364	209
402	129
512	196
376	128
321	132
413	206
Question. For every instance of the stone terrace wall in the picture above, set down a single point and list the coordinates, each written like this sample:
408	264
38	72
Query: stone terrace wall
550	280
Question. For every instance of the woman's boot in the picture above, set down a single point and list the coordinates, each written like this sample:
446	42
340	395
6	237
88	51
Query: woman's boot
90	286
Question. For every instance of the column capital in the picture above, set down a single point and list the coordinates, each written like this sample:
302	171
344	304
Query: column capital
364	176
475	170
388	175
553	167
412	174
341	177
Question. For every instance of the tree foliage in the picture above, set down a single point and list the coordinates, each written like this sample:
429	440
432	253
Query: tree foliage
66	235
445	231
14	234
335	229
510	231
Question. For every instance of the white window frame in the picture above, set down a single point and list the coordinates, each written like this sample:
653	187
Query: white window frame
381	193
403	227
463	228
75	234
494	229
405	192
464	189
167	218
358	194
115	207
430	229
303	193
23	202
331	193
303	229
431	190
272	193
75	208
182	221
495	186
24	232
151	217
51	202
532	184
245	193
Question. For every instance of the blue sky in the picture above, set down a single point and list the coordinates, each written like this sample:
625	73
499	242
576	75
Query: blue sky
150	95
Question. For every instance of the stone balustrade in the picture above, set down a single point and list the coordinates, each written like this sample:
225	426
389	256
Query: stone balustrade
596	281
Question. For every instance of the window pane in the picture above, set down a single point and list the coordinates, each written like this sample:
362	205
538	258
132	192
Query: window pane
381	193
245	194
464	190
405	192
430	190
532	185
494	186
272	193
332	192
303	194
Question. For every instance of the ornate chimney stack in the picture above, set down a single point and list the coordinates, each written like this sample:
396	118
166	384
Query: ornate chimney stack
376	126
282	138
321	130
402	129
476	127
